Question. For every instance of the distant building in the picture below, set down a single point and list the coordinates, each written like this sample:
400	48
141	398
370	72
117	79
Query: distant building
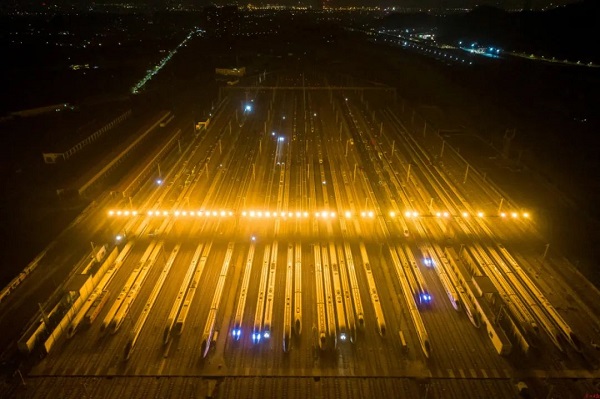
231	71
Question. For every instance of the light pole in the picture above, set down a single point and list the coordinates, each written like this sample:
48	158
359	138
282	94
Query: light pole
500	206
545	252
347	144
408	174
466	174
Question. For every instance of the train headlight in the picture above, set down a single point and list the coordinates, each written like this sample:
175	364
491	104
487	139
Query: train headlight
343	337
266	334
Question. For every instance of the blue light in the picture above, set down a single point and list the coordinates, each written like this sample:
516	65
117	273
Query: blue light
497	51
248	108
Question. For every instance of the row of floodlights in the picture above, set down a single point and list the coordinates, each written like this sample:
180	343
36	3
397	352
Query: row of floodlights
299	215
414	214
514	215
171	213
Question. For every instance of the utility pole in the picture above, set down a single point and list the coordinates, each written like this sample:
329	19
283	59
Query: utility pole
408	174
466	174
44	315
545	252
500	206
21	377
509	135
